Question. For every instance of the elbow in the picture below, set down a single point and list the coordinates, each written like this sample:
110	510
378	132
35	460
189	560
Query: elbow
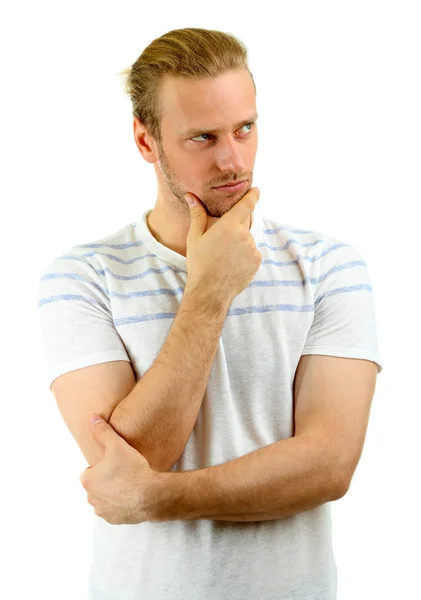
339	482
162	468
343	489
124	428
157	463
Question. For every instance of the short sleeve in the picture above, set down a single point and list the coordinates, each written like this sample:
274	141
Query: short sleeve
75	317
344	321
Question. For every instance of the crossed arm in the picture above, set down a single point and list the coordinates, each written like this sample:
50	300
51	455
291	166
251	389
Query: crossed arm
332	404
274	482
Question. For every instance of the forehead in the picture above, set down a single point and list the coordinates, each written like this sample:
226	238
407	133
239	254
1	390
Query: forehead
207	104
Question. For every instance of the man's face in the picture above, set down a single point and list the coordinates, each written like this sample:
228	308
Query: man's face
193	161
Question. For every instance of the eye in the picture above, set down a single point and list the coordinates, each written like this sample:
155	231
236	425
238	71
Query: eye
208	134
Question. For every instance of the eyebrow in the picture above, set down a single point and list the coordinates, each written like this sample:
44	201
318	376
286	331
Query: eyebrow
194	132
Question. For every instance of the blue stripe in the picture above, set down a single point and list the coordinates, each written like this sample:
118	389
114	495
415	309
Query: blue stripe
180	290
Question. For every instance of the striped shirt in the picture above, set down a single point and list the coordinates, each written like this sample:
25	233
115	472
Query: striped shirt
115	299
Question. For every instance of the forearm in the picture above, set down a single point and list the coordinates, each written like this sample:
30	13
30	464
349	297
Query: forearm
159	414
274	482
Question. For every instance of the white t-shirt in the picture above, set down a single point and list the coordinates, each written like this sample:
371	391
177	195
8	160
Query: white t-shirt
115	299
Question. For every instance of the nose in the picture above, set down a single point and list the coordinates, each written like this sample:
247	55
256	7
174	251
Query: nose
228	156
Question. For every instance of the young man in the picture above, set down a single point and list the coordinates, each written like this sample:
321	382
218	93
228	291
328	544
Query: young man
233	357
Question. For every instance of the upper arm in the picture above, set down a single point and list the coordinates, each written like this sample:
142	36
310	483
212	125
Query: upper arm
332	398
98	388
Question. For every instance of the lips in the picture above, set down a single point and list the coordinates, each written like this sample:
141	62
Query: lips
231	183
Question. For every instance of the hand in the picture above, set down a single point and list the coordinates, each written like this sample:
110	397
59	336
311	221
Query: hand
224	259
122	487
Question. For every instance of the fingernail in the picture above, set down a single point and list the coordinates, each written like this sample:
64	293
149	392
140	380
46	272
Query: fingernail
95	419
190	200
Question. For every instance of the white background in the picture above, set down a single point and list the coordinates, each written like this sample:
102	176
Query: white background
338	95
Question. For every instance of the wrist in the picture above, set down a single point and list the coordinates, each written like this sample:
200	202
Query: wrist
200	298
175	495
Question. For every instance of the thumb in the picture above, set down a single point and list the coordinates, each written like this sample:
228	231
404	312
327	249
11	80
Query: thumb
101	429
198	216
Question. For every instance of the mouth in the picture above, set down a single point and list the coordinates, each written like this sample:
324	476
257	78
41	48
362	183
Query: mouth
233	187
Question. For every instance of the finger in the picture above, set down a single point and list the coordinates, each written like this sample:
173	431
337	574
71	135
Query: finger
83	478
240	212
93	500
104	433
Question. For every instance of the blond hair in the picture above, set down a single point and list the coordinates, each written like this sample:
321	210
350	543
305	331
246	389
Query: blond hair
193	53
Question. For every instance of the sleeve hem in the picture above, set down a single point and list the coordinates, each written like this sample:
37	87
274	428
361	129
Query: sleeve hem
345	353
86	361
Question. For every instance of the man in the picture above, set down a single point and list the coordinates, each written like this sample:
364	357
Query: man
233	358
